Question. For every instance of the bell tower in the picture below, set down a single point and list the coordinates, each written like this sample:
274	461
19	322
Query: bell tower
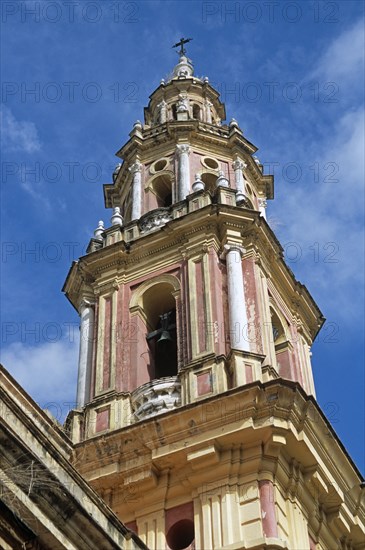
196	417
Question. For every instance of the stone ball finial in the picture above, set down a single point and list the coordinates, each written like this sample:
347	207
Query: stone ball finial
98	233
206	80
222	180
198	184
240	198
116	171
137	125
117	218
257	160
233	123
162	82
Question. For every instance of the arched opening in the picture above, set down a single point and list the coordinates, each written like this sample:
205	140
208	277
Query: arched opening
160	309
281	344
181	535
278	331
249	196
162	187
127	208
196	112
174	111
210	181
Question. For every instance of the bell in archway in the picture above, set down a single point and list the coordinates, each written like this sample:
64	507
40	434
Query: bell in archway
164	338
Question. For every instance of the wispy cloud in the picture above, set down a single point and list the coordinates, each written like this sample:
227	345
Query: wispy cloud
344	57
330	209
18	135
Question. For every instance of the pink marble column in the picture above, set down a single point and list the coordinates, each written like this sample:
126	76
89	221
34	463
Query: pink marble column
267	501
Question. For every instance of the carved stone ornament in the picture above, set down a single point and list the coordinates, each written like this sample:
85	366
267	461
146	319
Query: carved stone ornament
183	104
154	219
156	397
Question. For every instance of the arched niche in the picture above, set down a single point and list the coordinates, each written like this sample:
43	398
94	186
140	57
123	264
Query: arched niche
155	303
250	197
197	111
210	180
161	186
283	347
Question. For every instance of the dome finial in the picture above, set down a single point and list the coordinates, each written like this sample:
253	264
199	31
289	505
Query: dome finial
184	69
182	51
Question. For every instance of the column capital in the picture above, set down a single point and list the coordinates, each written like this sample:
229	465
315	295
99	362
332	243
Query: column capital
85	304
232	247
183	148
238	164
135	167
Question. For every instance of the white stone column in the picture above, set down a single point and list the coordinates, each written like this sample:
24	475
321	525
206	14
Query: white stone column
238	323
238	165
262	207
183	152
208	111
136	170
162	107
85	352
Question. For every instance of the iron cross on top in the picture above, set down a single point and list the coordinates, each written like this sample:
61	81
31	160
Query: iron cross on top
181	45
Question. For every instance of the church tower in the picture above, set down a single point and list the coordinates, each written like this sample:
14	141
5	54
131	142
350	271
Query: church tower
196	417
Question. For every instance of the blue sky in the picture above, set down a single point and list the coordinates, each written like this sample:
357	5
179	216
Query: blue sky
76	76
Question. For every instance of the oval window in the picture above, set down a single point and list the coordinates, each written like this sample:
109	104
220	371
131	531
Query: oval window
208	162
159	165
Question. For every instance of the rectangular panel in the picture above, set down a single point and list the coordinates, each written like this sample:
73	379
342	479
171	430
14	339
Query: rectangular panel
107	343
200	307
102	419
204	383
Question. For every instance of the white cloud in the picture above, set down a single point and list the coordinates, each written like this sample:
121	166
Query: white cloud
344	57
18	135
328	211
47	372
328	208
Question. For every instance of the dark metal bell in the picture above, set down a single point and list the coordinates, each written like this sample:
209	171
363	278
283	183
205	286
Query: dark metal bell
165	337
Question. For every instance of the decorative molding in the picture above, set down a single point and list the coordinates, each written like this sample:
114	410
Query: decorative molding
155	219
156	397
